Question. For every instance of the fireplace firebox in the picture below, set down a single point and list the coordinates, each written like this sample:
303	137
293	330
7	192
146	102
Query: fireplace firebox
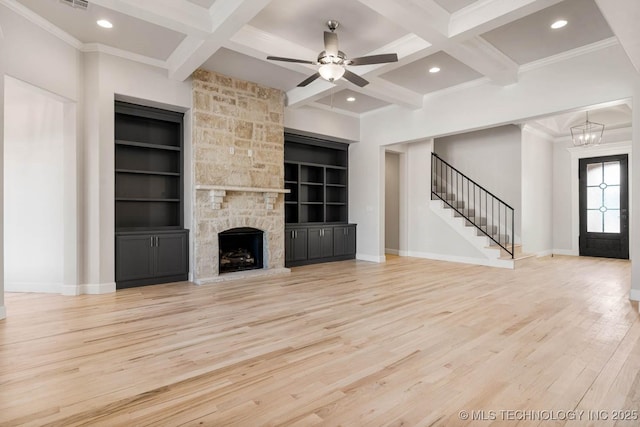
240	249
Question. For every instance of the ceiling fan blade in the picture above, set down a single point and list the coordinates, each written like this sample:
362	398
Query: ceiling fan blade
354	78
300	61
331	43
374	59
309	80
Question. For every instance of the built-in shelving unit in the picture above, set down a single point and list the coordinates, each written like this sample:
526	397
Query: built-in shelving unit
316	173
151	244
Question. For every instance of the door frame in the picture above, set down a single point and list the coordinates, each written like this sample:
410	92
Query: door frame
578	153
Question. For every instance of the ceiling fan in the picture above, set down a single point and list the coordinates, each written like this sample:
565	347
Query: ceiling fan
333	61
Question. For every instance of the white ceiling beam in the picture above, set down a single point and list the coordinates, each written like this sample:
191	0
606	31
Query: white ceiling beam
485	58
183	16
486	15
228	16
409	14
259	44
623	17
299	96
391	93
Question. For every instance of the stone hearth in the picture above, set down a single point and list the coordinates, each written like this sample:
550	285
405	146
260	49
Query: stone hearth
238	158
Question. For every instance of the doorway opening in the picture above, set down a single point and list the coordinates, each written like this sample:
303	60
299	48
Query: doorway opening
604	206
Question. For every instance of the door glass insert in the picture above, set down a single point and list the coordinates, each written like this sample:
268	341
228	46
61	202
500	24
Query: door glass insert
603	197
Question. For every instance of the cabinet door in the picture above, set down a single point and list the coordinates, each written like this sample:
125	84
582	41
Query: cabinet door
171	254
326	243
350	242
134	257
344	240
295	244
314	246
320	242
300	245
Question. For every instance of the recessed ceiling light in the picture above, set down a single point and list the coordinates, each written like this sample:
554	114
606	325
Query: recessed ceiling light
559	24
433	70
351	99
104	23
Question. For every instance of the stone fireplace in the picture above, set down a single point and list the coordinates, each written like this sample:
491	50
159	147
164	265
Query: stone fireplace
238	158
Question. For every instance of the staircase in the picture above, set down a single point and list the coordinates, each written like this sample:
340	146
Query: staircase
481	218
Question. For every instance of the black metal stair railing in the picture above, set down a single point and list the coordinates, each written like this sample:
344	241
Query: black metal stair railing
493	217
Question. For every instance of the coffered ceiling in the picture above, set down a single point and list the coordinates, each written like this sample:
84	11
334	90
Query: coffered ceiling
483	41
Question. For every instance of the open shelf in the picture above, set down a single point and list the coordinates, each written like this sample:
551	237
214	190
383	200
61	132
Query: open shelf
316	173
143	172
146	145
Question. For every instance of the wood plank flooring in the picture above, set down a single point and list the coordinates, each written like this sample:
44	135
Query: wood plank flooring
409	342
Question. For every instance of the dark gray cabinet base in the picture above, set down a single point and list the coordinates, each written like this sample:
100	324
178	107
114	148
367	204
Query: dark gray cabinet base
145	258
319	243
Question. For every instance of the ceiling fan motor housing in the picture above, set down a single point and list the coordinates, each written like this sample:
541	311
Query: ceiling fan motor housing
324	58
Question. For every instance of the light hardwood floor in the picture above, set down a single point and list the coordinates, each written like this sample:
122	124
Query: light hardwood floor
409	342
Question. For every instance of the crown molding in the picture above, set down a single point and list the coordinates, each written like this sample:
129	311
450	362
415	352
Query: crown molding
38	20
114	51
590	48
67	38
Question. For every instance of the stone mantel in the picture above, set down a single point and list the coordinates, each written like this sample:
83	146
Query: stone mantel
218	193
242	189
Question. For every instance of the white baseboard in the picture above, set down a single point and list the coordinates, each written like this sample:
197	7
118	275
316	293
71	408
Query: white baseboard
371	258
567	252
97	288
3	312
391	251
548	252
37	287
499	263
403	253
89	289
634	295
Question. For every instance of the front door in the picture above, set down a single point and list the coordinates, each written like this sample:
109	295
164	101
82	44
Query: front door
604	207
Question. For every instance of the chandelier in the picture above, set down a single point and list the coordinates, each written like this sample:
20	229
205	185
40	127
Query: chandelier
587	133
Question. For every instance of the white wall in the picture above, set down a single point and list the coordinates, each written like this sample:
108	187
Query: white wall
492	158
634	249
562	201
35	56
322	122
3	311
34	186
537	193
392	203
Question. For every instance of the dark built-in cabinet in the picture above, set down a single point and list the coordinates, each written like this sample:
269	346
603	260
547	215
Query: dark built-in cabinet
151	242
316	209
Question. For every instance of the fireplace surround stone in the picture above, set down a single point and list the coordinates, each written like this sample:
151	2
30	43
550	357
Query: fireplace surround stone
238	158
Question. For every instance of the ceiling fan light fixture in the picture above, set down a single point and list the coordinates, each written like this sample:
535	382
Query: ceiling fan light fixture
331	72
